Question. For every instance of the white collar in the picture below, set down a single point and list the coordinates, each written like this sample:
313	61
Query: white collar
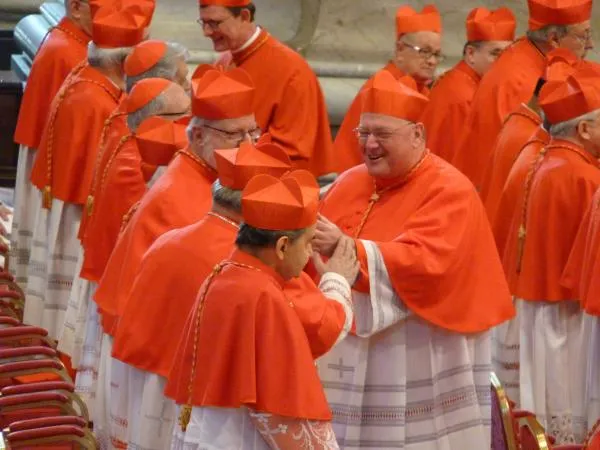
249	42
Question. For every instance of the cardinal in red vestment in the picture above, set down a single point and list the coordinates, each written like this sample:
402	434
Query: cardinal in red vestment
430	287
418	52
63	48
63	167
552	325
289	101
269	389
513	78
445	119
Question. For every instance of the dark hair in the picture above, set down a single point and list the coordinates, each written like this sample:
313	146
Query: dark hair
259	238
474	44
237	10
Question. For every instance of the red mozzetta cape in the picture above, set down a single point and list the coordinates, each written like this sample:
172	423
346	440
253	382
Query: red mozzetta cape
69	145
163	295
510	82
510	214
180	197
121	185
271	369
435	240
289	103
64	48
346	145
560	193
582	273
114	129
449	106
519	128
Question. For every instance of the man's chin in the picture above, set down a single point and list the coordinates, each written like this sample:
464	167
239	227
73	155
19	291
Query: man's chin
220	46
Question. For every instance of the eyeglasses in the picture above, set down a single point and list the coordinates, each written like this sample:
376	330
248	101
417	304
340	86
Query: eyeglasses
379	135
238	136
426	53
212	24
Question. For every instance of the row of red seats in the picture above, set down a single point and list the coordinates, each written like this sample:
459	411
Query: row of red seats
38	406
515	429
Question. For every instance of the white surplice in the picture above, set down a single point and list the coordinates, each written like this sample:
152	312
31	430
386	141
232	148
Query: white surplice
401	382
52	264
505	357
72	335
555	340
23	217
86	380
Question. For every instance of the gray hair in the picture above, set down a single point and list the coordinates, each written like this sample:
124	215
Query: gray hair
226	197
543	34
153	108
568	128
165	68
106	57
196	122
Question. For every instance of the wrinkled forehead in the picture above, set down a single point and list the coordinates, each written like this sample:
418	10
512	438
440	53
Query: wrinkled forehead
372	121
423	39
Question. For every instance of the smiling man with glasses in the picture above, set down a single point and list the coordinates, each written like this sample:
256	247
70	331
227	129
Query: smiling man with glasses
488	34
289	102
514	77
417	54
430	288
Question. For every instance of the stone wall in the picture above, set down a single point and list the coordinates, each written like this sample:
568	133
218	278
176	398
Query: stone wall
358	31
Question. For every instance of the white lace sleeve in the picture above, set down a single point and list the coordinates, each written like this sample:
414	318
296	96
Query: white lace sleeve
335	287
285	433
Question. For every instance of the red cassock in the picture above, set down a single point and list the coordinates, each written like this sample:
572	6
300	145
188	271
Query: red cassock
431	230
164	293
510	82
69	145
114	129
64	47
121	184
346	146
181	196
560	193
582	272
510	214
446	115
271	369
519	128
289	103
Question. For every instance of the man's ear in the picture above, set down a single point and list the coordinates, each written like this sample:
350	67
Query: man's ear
281	247
583	130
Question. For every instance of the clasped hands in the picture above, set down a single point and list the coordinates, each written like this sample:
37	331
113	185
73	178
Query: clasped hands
330	242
